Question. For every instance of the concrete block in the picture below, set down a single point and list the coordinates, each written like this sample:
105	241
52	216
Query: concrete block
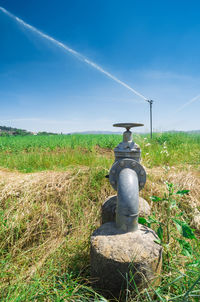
118	257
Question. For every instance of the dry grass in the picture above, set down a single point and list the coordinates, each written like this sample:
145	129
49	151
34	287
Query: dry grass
42	212
186	177
47	218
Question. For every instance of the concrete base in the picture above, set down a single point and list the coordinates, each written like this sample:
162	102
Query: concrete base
109	209
117	258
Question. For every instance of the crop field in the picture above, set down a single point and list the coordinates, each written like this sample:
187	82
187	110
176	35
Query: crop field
52	189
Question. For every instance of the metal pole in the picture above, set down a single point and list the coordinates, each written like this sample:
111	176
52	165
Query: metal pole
151	129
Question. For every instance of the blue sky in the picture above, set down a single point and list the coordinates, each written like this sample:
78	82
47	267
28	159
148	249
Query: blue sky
153	46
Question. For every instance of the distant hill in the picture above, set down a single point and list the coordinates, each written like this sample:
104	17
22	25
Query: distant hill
9	131
194	131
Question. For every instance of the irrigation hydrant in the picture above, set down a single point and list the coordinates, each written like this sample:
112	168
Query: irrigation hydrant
127	176
121	249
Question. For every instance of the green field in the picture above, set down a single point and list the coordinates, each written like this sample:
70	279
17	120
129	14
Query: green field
38	153
52	188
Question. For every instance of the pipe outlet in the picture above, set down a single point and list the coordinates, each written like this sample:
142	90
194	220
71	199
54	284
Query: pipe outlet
127	210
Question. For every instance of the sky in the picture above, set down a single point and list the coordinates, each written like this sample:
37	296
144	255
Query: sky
152	46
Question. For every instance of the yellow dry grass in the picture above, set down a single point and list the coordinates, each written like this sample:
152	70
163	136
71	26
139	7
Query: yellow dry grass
49	211
41	212
186	177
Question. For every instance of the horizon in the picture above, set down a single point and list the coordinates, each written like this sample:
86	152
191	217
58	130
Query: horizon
149	49
100	131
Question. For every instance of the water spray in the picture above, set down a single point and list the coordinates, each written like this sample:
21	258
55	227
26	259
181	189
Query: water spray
78	56
70	50
196	98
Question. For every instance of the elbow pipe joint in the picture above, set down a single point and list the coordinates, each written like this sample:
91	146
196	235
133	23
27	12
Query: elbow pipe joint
127	210
127	177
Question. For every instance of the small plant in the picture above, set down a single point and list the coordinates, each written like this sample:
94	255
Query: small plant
173	226
180	276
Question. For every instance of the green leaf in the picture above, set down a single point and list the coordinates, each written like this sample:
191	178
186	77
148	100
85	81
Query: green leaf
178	224
142	220
184	229
182	192
152	219
158	241
160	232
170	187
187	232
186	248
155	198
194	263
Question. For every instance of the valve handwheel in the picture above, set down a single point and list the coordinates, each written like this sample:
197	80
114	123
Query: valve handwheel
128	125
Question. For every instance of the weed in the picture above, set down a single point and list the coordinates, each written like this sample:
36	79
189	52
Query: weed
172	228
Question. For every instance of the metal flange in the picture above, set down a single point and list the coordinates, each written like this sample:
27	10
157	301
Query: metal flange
127	163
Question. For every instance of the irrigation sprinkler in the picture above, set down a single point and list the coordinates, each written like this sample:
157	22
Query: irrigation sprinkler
150	103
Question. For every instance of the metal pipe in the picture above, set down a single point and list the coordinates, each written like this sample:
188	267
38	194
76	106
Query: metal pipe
151	127
127	200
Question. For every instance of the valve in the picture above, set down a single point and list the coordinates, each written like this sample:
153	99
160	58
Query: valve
128	148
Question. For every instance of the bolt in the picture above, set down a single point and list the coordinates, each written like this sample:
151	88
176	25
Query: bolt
142	173
113	171
121	163
141	184
133	164
112	182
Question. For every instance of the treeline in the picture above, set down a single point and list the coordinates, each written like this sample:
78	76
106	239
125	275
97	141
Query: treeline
46	133
9	131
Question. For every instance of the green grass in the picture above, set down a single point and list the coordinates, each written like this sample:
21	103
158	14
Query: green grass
47	218
51	142
60	159
37	153
172	149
